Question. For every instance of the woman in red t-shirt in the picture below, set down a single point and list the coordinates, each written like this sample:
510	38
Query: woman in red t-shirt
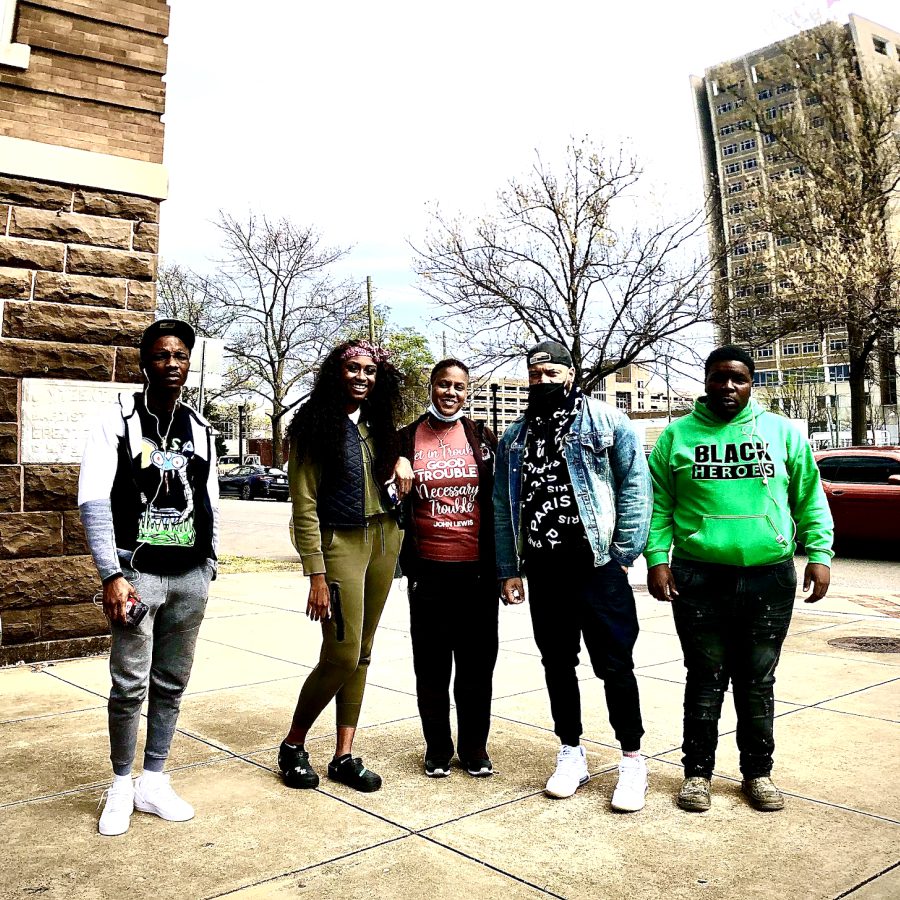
448	557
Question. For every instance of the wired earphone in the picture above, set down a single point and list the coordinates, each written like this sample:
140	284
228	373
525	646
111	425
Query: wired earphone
764	478
163	442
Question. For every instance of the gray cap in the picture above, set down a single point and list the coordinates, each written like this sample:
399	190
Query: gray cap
549	352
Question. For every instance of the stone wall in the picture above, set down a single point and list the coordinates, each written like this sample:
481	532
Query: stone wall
81	181
77	271
94	79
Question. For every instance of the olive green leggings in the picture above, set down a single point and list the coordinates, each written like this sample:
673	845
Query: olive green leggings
361	561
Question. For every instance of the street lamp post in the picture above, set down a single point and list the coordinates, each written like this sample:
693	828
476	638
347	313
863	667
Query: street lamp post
494	388
241	407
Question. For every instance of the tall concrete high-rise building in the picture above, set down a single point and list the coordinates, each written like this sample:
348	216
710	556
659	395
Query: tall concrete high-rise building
741	164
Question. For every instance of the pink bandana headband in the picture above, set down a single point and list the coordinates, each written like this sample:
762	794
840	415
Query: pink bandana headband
365	348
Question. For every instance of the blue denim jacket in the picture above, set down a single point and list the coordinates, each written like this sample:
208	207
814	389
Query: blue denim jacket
610	478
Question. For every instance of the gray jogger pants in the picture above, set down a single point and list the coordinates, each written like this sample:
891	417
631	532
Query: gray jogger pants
156	654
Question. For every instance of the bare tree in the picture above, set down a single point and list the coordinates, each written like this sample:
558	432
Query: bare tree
826	202
185	294
559	259
287	310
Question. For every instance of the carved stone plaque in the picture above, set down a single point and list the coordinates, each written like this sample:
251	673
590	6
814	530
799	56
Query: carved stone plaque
57	415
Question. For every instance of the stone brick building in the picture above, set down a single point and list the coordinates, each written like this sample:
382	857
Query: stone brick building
81	181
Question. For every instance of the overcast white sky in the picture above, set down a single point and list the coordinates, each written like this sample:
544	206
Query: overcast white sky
354	115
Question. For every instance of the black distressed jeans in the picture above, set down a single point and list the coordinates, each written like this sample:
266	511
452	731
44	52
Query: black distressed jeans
453	619
732	621
575	598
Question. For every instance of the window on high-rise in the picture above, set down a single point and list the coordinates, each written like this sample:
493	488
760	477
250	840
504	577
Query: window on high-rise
811	347
772	112
729	149
769	139
735	187
764	94
790	349
623	375
723	108
732	168
837	345
783	240
784	88
623	400
880	45
750	164
839	373
748	144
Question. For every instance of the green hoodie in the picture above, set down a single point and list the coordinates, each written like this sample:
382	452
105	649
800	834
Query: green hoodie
731	492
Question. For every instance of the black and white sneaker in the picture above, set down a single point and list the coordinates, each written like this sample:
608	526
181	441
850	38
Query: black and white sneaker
479	767
437	768
296	771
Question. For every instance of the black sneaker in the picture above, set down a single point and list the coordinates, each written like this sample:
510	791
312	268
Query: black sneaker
479	767
437	768
293	762
353	773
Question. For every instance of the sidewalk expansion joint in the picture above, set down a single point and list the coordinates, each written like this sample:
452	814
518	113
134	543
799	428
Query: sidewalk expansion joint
493	868
309	868
867	881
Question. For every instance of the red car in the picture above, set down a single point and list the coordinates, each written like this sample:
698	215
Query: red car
863	489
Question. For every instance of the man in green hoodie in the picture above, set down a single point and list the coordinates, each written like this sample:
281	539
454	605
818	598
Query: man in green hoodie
734	489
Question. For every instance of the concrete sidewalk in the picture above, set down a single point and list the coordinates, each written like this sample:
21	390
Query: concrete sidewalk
837	732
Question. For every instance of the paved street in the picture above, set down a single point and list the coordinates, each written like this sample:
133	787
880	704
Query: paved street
837	728
256	528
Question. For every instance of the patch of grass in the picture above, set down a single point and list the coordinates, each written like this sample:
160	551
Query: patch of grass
236	565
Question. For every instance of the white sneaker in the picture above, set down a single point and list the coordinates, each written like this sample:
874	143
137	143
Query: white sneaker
155	795
116	815
571	772
631	791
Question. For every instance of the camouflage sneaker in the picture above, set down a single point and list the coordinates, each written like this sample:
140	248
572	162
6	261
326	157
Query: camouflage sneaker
762	794
694	794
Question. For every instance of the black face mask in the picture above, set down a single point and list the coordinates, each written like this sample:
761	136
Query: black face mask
545	395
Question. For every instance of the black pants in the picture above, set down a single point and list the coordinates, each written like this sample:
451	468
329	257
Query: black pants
732	621
575	599
453	619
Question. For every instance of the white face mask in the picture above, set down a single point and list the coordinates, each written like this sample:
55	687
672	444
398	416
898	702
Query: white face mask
432	410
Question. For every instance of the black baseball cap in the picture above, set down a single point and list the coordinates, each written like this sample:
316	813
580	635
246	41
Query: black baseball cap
163	328
549	352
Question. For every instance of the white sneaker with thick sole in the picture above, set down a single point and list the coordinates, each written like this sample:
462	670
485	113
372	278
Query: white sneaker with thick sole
571	772
155	795
631	791
116	815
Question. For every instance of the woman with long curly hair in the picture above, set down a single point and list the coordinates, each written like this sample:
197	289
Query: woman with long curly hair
345	473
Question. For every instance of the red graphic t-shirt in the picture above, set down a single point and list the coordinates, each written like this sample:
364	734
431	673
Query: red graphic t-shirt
445	505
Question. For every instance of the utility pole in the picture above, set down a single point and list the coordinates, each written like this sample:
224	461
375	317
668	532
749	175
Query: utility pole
371	308
494	388
202	374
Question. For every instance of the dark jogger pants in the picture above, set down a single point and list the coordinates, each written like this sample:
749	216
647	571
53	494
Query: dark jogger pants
732	621
453	619
597	602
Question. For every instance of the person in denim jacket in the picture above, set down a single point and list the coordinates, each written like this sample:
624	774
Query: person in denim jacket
572	503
